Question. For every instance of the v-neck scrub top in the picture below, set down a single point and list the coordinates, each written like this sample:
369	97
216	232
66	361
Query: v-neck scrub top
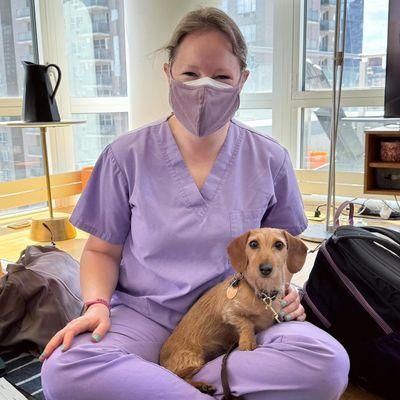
141	195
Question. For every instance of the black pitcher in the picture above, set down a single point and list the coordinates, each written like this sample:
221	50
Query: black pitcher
39	103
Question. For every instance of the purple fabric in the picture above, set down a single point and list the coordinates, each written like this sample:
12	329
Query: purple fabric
204	109
174	236
293	361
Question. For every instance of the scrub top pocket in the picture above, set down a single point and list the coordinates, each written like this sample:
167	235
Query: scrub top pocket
245	220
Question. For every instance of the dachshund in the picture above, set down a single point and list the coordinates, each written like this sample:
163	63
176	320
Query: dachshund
236	309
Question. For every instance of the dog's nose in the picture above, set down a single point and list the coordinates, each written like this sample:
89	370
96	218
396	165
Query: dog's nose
265	269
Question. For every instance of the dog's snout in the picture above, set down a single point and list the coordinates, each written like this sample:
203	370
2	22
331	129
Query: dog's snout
266	269
274	293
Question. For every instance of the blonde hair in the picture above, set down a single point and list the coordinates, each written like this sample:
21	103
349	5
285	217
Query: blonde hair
205	19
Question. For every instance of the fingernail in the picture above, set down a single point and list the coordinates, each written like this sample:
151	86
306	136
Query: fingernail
282	314
62	347
283	303
41	357
288	317
96	337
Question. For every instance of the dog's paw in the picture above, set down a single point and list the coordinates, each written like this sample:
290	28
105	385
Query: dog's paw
247	344
204	387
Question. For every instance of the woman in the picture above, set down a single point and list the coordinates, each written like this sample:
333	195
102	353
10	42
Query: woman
161	207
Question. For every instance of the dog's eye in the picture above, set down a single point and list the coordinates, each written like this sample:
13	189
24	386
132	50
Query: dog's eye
279	245
253	244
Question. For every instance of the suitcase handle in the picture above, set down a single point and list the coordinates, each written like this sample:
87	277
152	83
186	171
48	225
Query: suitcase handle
357	233
395	236
339	212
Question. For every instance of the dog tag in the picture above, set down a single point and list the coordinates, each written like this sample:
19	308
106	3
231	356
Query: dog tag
231	292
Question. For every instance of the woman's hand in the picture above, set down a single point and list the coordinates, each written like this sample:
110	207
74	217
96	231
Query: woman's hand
96	319
291	309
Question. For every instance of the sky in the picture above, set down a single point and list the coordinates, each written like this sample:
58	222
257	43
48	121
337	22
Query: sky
375	26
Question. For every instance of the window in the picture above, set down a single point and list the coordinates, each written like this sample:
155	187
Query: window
97	71
350	143
257	29
260	46
93	136
16	44
246	6
94	30
249	33
91	52
258	119
365	49
363	75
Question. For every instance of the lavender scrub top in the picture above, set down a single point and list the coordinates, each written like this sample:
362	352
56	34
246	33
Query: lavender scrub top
141	195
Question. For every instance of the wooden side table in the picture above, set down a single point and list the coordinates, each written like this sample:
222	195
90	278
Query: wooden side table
60	227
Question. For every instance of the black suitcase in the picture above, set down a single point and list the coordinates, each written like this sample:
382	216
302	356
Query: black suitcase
353	292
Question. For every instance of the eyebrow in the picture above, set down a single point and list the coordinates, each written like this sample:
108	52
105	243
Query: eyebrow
217	72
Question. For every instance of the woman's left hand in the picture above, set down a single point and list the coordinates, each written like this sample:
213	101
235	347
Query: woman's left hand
291	309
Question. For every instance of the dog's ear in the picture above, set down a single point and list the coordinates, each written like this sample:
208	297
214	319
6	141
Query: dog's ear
237	252
297	253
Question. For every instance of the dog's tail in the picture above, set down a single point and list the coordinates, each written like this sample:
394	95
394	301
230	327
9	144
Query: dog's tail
224	377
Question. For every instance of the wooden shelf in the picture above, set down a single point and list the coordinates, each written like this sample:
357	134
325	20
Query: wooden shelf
373	139
381	164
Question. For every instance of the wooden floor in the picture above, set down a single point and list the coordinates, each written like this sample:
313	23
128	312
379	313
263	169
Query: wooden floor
12	242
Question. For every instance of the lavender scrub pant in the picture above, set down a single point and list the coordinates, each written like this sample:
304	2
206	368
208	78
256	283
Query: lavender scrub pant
293	360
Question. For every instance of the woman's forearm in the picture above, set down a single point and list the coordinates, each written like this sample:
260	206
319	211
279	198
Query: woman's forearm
98	275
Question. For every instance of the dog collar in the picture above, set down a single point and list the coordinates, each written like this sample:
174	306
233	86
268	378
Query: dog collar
268	300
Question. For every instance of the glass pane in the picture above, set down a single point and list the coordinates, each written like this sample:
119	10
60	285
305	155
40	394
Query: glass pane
350	144
258	119
365	47
95	47
93	136
20	157
255	20
16	44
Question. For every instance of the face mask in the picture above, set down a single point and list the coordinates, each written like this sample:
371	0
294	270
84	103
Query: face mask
203	105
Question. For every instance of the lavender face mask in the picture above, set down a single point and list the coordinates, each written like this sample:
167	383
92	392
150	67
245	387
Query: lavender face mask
203	105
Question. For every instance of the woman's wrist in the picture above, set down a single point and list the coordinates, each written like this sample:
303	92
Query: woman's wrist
95	302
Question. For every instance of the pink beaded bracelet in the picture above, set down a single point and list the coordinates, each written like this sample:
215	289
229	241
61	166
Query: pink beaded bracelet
89	303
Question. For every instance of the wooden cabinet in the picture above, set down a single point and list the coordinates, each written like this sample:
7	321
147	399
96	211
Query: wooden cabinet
380	177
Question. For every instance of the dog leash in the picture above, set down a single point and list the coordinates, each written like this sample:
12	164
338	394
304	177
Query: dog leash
224	377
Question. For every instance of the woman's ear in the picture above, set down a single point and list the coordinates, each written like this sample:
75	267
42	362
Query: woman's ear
297	253
167	71
237	252
245	75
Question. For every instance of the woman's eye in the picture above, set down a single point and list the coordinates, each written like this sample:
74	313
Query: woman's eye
253	244
222	77
279	245
189	74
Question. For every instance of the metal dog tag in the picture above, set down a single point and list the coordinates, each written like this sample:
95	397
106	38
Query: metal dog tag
231	292
233	288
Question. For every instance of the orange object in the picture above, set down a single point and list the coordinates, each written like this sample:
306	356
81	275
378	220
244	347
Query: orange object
317	159
85	175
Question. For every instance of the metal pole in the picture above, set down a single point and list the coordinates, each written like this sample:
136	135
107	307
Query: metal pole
335	114
46	168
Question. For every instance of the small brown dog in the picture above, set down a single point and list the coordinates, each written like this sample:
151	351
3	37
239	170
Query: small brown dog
233	311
